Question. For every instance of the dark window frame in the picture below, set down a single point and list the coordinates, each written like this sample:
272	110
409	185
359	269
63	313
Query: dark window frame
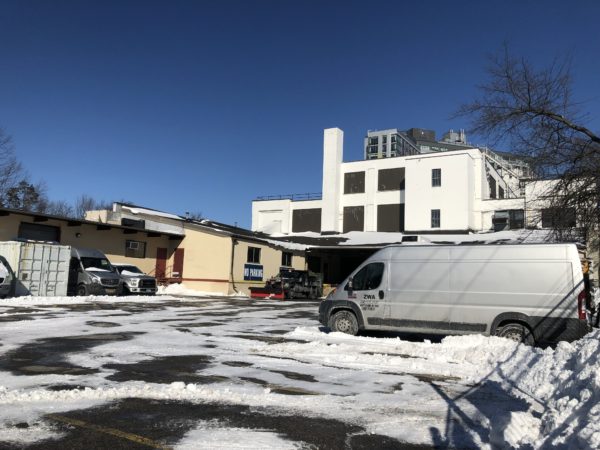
29	230
386	177
354	182
355	212
253	255
286	259
436	218
388	215
436	177
140	252
306	220
561	218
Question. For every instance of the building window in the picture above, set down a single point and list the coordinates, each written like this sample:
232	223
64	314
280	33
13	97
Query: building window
354	183
390	179
373	141
384	139
500	192
436	177
493	189
558	218
306	220
286	259
38	232
390	218
354	218
435	218
253	255
135	249
511	219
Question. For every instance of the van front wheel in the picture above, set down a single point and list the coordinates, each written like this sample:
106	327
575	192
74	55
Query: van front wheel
516	332
344	322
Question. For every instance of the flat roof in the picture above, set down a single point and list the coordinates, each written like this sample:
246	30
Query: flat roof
75	222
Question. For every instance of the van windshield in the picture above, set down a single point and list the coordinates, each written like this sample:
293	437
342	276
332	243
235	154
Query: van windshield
96	263
369	277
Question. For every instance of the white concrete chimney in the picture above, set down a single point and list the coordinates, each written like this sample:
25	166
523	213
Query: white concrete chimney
333	149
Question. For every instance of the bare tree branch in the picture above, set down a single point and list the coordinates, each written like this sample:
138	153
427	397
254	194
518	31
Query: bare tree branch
532	110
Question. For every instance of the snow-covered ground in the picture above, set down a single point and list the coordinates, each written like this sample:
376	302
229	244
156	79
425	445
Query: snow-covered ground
462	392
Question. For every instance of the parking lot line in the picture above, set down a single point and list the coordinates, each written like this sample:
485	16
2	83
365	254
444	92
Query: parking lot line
107	430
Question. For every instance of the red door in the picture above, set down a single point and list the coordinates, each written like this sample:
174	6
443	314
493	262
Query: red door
161	263
178	263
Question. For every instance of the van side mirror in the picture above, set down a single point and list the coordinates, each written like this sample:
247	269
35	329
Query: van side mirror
349	286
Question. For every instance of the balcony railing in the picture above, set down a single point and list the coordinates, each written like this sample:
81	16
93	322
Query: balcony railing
293	197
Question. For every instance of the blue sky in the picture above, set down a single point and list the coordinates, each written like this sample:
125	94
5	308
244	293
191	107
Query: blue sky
202	106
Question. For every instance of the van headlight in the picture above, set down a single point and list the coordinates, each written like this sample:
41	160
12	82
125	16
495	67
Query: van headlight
133	282
95	279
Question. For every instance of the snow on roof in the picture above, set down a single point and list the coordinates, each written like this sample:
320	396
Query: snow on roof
376	239
151	212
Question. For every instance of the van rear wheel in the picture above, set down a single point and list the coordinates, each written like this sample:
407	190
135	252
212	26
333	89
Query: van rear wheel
82	290
516	332
344	322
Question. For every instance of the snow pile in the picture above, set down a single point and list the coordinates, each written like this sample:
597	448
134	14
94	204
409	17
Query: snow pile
561	385
30	300
564	381
181	289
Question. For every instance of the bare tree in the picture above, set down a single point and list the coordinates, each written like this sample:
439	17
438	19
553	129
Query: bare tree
11	171
83	203
533	111
196	215
59	208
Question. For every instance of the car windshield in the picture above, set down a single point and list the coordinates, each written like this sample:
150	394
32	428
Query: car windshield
132	269
96	263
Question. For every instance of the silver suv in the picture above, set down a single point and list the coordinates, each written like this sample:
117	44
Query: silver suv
135	281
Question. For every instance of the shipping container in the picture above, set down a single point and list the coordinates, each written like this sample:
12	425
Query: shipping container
41	269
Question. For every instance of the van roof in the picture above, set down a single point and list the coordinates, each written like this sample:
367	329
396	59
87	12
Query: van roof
87	253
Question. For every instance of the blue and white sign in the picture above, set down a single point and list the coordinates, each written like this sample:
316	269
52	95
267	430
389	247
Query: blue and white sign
253	272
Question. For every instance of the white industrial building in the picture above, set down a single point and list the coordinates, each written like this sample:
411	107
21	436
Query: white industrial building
453	191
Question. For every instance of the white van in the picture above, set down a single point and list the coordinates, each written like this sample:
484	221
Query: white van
531	293
90	273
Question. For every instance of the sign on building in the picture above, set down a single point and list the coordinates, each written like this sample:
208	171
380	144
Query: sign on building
253	272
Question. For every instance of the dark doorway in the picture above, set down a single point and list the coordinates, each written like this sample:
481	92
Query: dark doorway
161	263
178	263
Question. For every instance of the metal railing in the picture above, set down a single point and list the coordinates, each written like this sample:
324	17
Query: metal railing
293	197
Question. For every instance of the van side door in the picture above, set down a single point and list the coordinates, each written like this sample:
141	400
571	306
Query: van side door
418	293
368	292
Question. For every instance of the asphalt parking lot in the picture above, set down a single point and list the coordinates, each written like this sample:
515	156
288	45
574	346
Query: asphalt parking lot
147	373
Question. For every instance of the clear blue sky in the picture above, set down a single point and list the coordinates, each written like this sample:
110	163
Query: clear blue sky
204	105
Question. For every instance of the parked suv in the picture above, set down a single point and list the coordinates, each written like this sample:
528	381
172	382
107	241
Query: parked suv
135	281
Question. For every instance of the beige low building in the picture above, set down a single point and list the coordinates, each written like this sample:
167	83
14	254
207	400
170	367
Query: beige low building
120	243
210	256
204	255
